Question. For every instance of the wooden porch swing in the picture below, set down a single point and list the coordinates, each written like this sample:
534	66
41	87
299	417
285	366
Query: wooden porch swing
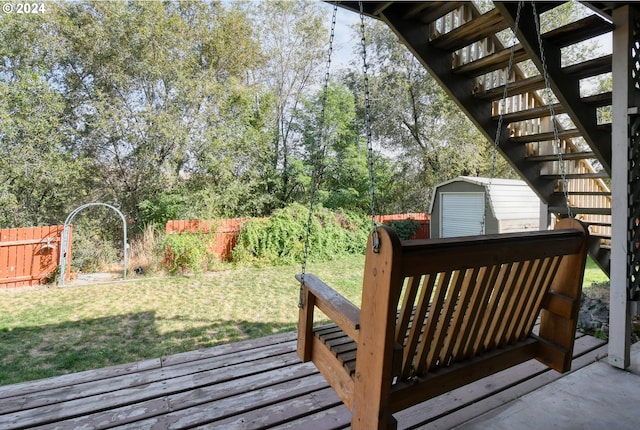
440	314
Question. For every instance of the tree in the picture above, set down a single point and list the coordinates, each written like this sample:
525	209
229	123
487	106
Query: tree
151	87
415	120
336	152
293	43
39	173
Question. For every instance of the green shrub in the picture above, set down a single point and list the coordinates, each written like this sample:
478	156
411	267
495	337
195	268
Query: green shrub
93	253
280	238
405	228
186	252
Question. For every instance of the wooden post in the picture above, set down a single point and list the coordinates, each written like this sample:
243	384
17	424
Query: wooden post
560	330
305	324
374	365
625	98
545	216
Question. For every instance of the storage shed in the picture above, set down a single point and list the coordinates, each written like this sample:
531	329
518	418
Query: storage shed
469	205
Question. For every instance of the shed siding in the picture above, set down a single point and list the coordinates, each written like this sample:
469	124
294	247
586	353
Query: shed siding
510	206
511	202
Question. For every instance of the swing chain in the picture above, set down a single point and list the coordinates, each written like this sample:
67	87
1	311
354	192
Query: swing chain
367	117
552	112
318	154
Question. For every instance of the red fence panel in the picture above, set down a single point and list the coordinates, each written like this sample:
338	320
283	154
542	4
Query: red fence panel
225	232
29	256
423	220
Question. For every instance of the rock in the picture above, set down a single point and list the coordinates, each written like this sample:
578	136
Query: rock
594	316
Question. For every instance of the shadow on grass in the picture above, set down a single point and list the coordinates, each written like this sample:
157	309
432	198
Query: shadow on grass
28	353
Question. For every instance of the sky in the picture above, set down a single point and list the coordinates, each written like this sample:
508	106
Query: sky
345	41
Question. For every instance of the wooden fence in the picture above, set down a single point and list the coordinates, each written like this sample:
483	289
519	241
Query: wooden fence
29	256
423	220
227	230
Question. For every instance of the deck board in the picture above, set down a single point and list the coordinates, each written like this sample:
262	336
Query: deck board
252	384
462	404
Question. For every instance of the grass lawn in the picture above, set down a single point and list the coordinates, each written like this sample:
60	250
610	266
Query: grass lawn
52	331
593	276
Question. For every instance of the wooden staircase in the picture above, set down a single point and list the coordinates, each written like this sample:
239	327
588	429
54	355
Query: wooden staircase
463	50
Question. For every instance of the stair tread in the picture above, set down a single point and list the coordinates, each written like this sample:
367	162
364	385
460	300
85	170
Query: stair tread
476	29
579	210
593	67
521	86
578	31
492	62
546	136
591	175
598	100
595	223
536	112
589	193
569	156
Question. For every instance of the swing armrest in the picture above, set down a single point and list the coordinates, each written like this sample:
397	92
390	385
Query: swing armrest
341	311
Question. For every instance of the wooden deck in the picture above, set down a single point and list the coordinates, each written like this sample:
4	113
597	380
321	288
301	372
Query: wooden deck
246	385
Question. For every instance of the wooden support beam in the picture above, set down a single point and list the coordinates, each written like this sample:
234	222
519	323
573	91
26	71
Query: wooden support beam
624	97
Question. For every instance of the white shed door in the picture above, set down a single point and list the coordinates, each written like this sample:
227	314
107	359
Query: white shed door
461	214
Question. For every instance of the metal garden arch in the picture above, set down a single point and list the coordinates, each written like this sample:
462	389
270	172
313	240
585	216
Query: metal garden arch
65	239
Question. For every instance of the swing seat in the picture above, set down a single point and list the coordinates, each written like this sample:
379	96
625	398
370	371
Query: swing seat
439	314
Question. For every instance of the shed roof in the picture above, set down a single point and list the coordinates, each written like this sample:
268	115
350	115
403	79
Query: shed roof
502	193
